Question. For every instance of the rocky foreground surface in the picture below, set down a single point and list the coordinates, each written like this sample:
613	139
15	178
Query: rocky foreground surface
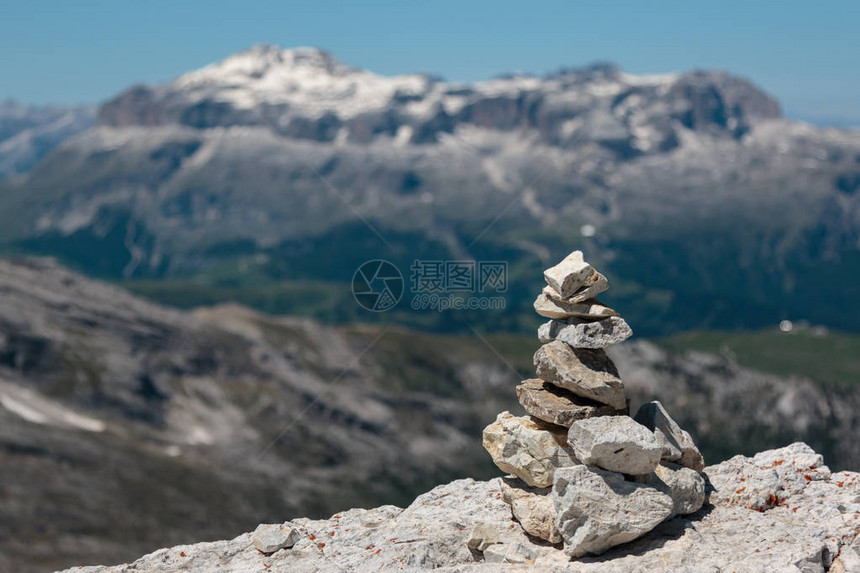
781	510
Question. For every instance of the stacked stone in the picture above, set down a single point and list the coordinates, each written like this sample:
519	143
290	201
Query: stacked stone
584	472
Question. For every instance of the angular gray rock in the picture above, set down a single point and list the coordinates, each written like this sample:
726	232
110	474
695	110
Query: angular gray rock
686	487
615	443
269	538
677	444
581	333
515	553
805	533
598	509
528	448
587	373
590	308
483	535
533	508
556	405
570	274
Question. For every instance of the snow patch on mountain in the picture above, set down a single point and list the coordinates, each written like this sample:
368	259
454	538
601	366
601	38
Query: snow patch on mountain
36	409
307	79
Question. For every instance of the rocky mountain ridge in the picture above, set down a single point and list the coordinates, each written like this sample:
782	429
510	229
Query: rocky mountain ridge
305	93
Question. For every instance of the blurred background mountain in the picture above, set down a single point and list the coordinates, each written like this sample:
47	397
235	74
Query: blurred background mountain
181	355
268	178
27	133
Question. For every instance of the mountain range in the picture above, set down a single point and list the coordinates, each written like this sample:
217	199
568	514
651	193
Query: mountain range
278	171
28	133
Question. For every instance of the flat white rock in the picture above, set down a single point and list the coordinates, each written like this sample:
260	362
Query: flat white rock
590	308
615	443
581	333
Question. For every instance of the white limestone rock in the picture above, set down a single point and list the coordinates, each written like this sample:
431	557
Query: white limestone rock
528	448
515	553
532	508
590	308
686	487
615	443
483	535
585	372
767	480
805	533
805	462
677	444
269	538
581	333
570	274
598	509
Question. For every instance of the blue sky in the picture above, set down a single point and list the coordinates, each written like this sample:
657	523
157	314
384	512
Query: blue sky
805	53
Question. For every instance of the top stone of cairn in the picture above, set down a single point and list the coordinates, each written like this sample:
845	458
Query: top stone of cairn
570	275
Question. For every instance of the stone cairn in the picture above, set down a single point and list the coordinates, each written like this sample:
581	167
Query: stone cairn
585	473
